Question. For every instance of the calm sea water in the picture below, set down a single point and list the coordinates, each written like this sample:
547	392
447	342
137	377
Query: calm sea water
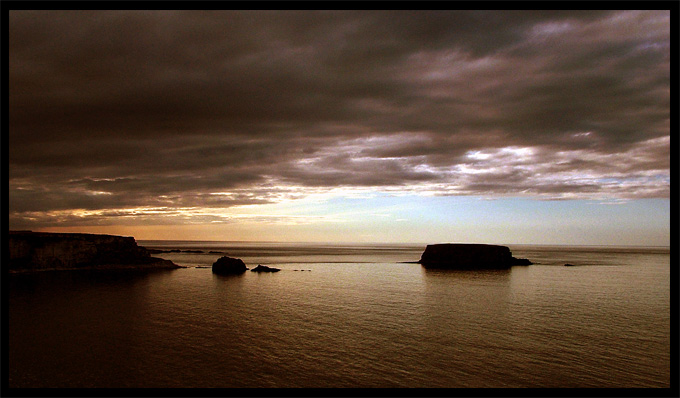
348	316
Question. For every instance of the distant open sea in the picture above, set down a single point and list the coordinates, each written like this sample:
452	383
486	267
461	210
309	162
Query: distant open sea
353	315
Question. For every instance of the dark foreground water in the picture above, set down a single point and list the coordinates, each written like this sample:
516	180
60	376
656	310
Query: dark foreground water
348	316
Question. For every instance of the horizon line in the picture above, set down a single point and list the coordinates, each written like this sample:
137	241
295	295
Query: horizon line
395	243
349	242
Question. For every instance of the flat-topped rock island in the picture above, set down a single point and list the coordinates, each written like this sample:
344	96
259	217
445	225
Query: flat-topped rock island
469	256
45	251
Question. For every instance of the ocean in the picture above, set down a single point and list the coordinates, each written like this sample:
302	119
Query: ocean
348	315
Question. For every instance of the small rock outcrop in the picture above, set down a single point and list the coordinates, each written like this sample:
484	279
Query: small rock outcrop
43	251
521	261
568	265
469	256
264	268
228	266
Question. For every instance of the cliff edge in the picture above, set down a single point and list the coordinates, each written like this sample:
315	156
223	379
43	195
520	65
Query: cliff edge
469	256
42	251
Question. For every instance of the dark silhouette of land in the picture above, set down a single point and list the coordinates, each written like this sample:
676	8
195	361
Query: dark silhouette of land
45	251
469	256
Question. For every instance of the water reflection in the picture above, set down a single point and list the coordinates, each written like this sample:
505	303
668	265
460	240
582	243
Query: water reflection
220	278
466	273
464	318
60	323
345	325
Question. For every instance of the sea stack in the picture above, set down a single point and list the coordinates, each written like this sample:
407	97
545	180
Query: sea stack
45	251
469	256
228	266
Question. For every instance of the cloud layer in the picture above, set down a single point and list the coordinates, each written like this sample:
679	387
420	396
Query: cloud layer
114	112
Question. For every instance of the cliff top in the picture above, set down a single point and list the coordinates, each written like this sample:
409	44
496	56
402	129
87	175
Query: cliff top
62	234
34	251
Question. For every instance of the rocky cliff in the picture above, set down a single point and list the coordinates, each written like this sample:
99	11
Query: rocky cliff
38	251
469	256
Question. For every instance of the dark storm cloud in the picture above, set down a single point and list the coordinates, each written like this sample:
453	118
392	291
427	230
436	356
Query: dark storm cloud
125	109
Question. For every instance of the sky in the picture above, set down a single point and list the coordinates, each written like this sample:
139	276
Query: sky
516	127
